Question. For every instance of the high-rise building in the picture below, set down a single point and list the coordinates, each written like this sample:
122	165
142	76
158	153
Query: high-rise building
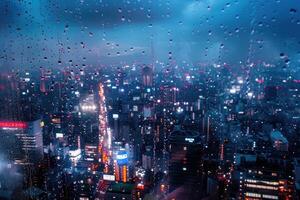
185	163
147	73
261	178
297	175
121	166
88	120
22	142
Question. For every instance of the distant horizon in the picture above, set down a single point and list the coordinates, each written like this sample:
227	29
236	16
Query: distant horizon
35	33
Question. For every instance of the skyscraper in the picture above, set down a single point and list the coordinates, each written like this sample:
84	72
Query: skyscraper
22	142
262	178
147	73
185	164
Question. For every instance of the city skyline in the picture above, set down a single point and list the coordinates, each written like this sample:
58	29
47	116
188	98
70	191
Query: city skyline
144	99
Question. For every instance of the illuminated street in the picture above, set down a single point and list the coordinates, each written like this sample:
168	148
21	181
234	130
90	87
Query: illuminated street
149	100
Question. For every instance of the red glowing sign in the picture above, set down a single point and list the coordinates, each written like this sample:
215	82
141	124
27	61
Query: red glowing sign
140	186
12	124
260	81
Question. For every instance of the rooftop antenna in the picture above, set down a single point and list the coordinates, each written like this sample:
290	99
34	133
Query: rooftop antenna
152	54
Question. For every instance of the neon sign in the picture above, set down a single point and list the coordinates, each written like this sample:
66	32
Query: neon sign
191	140
122	158
13	124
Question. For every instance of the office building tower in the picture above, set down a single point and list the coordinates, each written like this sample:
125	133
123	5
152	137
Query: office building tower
121	166
297	175
22	142
262	178
147	75
185	162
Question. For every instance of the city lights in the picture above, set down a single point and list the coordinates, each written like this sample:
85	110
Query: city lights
137	100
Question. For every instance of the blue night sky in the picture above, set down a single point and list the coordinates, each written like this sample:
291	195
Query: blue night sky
53	33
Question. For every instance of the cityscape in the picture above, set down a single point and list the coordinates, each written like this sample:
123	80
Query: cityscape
149	100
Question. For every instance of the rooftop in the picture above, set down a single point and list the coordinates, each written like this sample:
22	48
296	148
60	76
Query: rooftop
121	188
185	136
277	135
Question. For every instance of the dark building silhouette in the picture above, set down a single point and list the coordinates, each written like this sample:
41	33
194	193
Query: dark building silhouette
147	74
185	164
